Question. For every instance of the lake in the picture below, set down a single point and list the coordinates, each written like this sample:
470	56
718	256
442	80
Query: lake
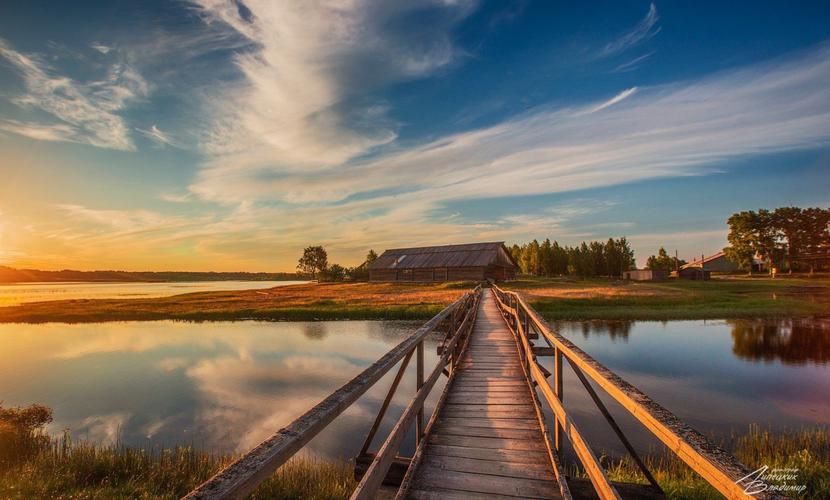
228	385
21	293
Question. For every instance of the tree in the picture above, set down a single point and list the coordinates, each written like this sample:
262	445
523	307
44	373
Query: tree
662	261
335	272
750	234
314	260
371	257
546	258
741	237
789	224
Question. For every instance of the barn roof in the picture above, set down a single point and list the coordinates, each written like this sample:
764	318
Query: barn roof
466	255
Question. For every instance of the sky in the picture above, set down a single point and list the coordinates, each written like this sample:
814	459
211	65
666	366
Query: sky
229	134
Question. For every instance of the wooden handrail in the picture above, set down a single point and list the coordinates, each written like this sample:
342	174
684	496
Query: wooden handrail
602	485
719	468
372	479
240	478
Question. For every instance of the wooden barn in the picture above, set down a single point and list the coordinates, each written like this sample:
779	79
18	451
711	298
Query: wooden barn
469	262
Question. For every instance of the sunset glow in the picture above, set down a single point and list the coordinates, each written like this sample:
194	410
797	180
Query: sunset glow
226	136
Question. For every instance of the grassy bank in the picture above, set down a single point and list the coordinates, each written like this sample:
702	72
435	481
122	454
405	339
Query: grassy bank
315	301
807	451
66	470
556	299
564	299
108	472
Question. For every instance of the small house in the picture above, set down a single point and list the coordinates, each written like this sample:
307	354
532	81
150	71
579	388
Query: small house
694	273
646	275
467	262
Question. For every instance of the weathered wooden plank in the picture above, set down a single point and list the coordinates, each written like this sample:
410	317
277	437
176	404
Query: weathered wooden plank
464	430
487	439
498	390
493	468
489	399
513	456
487	442
472	408
443	494
483	483
371	481
491	423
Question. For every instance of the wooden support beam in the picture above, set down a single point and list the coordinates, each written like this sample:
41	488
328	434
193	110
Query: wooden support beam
385	405
613	423
419	382
543	351
602	485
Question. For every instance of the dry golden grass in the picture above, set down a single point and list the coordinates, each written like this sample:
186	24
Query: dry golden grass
294	302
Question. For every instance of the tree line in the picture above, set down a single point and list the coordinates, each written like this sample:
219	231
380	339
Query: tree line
788	237
315	264
589	259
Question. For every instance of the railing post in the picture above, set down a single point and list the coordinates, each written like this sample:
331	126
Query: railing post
419	422
558	391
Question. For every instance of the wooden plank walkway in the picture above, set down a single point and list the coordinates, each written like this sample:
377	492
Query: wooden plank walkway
487	441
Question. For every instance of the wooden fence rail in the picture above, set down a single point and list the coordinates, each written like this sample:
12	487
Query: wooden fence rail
717	467
241	477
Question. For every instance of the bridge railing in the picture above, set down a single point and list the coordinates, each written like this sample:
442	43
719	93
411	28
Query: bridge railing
717	467
241	477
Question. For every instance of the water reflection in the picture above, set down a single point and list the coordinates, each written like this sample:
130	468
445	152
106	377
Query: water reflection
615	330
223	386
791	341
717	376
21	293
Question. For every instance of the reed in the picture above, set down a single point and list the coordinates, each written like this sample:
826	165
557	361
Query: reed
807	450
83	470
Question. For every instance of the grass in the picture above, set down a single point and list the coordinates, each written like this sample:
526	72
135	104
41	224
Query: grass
63	469
66	470
314	301
555	299
807	450
565	299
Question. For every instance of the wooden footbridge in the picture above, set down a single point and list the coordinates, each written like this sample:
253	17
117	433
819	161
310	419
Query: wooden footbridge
488	436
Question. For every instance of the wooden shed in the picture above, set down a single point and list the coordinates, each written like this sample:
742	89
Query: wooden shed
468	262
646	275
694	273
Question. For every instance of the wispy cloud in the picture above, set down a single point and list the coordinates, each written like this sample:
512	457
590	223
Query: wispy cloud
644	30
88	112
100	47
632	64
610	102
156	135
41	132
684	129
292	109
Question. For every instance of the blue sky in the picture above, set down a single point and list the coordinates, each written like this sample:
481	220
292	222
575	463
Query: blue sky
228	135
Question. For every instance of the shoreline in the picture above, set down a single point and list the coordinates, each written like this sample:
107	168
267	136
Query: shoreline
555	299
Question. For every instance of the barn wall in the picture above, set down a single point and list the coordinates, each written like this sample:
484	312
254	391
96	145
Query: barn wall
382	275
465	274
423	274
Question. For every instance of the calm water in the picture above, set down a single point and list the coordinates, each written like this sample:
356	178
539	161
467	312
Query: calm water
229	385
718	376
20	293
225	385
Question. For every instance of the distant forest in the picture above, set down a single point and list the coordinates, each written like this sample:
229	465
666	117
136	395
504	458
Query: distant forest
11	275
596	258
